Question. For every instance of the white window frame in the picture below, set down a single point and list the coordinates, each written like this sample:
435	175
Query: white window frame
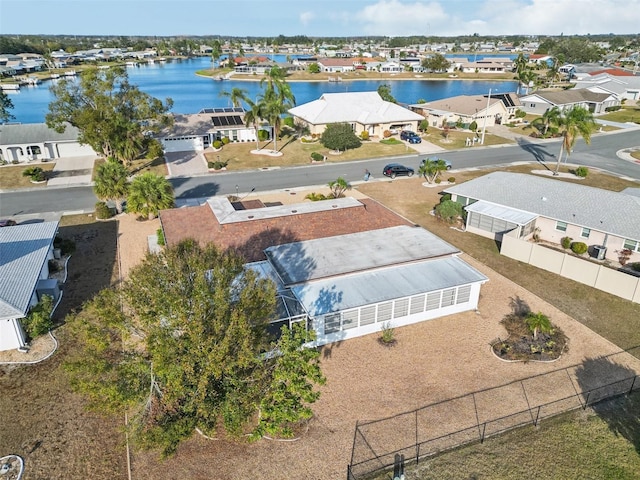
561	226
585	230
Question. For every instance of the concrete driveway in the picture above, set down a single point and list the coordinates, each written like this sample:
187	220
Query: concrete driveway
72	171
186	164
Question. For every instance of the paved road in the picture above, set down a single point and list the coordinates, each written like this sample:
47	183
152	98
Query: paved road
601	153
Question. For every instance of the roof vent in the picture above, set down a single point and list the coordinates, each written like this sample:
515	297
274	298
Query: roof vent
544	199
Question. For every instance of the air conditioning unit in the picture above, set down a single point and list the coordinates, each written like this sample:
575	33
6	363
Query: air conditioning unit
599	251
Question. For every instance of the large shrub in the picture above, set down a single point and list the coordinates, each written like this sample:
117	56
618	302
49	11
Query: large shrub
566	242
39	321
473	126
36	174
579	248
317	157
340	136
263	135
582	172
449	211
103	211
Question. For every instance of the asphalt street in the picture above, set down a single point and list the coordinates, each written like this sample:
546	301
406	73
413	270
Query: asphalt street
601	153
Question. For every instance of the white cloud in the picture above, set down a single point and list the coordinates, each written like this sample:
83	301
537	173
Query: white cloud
499	17
306	18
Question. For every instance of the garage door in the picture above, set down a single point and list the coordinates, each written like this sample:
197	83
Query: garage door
74	149
182	144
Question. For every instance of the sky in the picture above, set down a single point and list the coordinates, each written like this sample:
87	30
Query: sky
319	18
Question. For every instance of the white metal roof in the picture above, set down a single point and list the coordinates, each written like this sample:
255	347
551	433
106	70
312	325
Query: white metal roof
23	252
501	212
350	291
326	257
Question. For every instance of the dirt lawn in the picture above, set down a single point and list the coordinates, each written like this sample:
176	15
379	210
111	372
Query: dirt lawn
432	361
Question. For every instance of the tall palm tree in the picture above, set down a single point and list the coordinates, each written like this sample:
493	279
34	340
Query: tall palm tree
253	116
430	169
520	63
573	123
148	194
236	96
112	183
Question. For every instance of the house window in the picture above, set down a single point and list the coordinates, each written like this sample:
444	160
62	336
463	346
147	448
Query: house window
433	300
448	297
33	150
561	226
349	319
585	232
367	315
401	308
331	323
464	293
384	311
632	245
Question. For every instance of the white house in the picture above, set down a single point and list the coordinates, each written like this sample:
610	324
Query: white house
502	202
541	100
24	270
21	143
364	111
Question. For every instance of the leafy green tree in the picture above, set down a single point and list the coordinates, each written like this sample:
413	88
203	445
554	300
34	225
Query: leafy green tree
112	182
449	211
338	187
189	354
538	322
314	68
216	51
148	194
111	114
573	123
436	63
384	91
340	137
430	169
5	106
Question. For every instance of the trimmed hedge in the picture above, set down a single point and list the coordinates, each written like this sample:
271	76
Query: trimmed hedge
579	248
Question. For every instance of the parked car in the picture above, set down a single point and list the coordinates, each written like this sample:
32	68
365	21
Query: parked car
394	169
7	223
435	159
407	134
415	139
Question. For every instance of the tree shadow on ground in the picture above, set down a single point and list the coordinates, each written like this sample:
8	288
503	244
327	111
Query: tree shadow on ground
537	151
612	390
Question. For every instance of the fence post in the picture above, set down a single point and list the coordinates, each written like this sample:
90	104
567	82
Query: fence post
417	444
484	427
632	384
586	401
349	474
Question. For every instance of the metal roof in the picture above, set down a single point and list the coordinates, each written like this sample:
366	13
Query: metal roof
503	213
357	252
611	212
23	252
379	285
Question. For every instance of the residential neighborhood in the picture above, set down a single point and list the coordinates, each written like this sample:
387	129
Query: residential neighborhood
243	290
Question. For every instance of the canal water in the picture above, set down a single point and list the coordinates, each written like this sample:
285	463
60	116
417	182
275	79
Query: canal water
190	93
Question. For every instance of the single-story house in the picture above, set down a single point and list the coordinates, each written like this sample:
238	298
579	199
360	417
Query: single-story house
345	267
198	131
483	66
465	109
336	65
365	111
542	100
623	85
502	202
25	251
35	141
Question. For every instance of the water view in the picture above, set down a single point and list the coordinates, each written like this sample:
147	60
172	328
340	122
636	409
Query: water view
190	93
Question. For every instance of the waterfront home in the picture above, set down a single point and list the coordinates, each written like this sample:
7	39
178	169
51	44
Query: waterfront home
465	109
594	101
343	267
21	143
364	111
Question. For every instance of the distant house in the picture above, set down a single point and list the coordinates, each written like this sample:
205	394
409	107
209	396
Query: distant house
336	65
501	202
541	100
466	109
196	132
342	267
364	111
24	269
484	66
27	142
622	83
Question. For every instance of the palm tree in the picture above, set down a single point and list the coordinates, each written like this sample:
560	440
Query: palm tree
538	322
338	187
520	63
112	183
431	168
550	117
553	73
236	96
148	194
577	121
526	77
253	116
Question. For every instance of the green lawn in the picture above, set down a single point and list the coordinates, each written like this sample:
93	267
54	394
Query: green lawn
11	176
630	113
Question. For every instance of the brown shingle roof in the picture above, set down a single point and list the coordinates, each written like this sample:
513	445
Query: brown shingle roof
250	238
